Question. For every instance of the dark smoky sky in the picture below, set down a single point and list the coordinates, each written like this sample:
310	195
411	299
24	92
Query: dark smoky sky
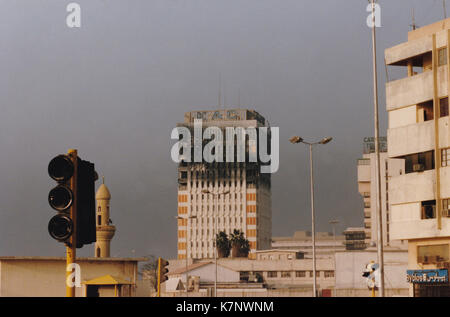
116	87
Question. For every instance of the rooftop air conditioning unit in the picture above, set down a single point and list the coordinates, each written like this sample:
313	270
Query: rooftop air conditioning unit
418	168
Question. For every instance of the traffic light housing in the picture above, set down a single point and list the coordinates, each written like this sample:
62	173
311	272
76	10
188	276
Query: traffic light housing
162	273
163	270
73	198
61	197
86	227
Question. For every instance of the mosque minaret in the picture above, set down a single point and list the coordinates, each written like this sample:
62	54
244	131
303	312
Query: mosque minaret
105	229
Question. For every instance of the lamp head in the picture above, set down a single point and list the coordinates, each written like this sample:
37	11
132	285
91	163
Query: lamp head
296	139
325	140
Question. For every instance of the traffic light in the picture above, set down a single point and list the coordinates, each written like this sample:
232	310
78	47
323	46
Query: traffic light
60	198
86	227
162	273
73	198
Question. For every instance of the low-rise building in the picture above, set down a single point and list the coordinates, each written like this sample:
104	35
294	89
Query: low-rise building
248	277
28	276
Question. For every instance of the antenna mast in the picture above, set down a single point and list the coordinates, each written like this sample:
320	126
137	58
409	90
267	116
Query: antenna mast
220	87
445	10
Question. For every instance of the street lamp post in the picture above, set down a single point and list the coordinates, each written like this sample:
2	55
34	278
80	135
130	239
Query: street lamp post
187	242
216	209
380	254
295	140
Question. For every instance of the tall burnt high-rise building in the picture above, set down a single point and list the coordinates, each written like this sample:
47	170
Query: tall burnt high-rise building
235	194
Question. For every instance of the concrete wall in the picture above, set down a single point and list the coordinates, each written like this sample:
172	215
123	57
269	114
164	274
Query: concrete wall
350	266
45	277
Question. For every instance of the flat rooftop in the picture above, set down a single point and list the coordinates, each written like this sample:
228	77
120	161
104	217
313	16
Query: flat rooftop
61	258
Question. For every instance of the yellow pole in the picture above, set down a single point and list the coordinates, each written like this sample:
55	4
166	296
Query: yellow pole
436	114
159	278
71	247
373	291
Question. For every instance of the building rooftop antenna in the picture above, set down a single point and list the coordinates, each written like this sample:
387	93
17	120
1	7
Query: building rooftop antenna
224	97
220	87
445	10
239	97
413	25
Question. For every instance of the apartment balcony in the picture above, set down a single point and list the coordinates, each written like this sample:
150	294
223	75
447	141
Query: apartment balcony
413	138
412	187
415	89
399	54
406	223
417	137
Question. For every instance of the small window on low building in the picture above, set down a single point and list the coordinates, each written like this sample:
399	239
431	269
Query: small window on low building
272	274
430	254
300	274
329	273
285	274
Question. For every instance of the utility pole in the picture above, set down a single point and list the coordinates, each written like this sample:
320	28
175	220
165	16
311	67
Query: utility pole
377	161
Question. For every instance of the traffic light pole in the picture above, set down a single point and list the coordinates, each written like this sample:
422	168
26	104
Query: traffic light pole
71	247
159	278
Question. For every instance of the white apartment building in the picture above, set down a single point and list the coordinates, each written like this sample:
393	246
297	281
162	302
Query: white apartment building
238	194
367	188
419	134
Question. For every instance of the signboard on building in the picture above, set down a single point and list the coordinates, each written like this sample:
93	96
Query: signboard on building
219	115
427	276
369	144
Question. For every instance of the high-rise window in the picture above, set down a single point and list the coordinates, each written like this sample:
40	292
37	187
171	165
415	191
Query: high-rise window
445	157
442	56
428	209
445	207
443	107
419	162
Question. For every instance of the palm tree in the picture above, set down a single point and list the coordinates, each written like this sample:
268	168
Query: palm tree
223	245
239	244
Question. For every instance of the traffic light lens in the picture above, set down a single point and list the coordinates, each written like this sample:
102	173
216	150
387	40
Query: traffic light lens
60	227
60	198
61	168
